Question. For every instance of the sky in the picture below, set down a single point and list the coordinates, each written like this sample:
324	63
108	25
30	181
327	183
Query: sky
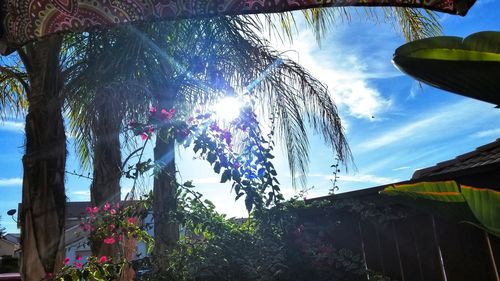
394	124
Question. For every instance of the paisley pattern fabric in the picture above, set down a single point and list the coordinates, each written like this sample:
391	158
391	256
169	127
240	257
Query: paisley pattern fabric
26	20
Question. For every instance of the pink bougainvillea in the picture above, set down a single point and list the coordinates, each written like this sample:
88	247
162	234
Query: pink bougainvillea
109	240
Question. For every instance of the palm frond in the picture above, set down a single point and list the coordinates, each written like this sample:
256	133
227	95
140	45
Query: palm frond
13	86
413	23
203	59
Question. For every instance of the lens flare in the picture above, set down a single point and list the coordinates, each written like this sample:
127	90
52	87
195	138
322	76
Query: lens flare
228	108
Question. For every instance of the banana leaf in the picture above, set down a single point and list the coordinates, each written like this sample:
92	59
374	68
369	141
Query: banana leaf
479	206
27	20
467	66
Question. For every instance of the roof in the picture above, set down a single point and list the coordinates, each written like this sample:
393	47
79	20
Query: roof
12	237
76	209
484	157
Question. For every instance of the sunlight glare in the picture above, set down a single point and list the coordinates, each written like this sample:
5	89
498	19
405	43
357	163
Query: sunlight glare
228	108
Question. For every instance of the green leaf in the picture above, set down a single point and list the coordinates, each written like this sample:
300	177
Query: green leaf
464	202
226	175
217	167
196	147
236	175
485	204
211	157
249	202
188	184
239	195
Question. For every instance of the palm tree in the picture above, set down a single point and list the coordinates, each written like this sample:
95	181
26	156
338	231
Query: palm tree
44	202
43	187
241	48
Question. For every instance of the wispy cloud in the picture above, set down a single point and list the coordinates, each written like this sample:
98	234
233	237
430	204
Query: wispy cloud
495	133
11	181
346	73
12	126
367	178
361	178
81	193
402	168
416	89
438	123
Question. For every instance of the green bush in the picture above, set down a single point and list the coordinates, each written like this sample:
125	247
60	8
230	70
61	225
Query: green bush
270	245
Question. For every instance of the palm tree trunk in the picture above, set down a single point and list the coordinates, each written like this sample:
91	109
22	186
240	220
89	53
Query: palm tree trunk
107	161
166	230
44	201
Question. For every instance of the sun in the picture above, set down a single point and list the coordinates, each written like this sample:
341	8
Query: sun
228	108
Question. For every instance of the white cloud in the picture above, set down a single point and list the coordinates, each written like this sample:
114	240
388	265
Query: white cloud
366	178
346	73
495	133
81	193
13	126
402	168
363	178
438	123
416	88
361	100
11	181
399	134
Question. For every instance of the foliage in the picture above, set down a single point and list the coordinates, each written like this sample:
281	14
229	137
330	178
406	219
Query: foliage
112	225
248	166
272	244
99	269
478	206
13	86
238	60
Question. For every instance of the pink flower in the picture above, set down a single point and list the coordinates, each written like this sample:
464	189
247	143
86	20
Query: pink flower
48	275
144	136
150	129
78	257
152	110
131	220
103	259
88	210
167	114
120	237
112	212
106	207
111	227
109	240
95	210
78	265
66	260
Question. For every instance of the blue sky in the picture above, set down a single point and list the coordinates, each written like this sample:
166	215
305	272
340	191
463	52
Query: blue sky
413	126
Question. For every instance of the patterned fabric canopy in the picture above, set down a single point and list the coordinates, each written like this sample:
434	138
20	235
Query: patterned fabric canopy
26	20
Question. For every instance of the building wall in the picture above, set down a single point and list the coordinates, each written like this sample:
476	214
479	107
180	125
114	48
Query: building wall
7	248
